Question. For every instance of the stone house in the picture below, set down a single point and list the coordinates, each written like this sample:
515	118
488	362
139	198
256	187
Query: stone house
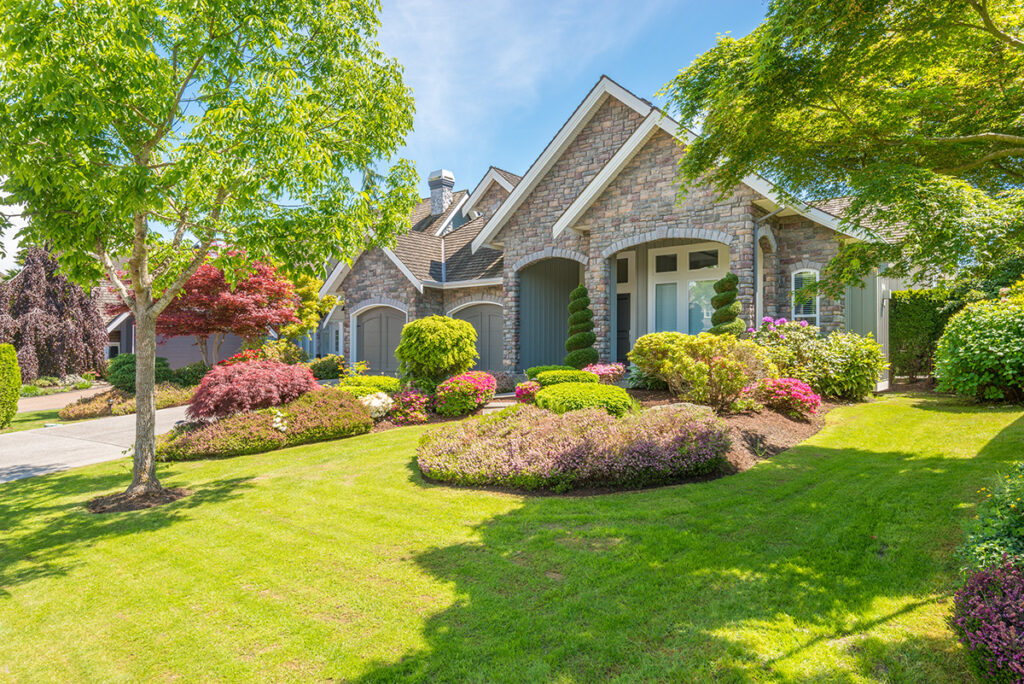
600	206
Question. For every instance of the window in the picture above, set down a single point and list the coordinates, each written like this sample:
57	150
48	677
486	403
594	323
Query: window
621	271
805	307
113	350
705	258
666	263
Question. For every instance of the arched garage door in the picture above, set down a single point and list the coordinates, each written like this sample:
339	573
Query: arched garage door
378	332
487	319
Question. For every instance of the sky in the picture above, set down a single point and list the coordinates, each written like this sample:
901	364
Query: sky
494	80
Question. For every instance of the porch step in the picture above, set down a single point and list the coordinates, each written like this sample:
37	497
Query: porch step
495	405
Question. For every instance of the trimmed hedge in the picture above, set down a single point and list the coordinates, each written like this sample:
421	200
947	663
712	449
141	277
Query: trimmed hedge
358	390
724	320
916	321
981	352
556	377
384	383
121	372
573	396
316	416
435	348
191	375
10	384
525	447
533	371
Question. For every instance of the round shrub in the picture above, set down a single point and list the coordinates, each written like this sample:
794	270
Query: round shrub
573	396
526	392
981	352
410	407
845	365
190	375
464	393
316	416
652	350
378	404
227	390
525	447
790	344
556	377
384	383
10	384
988	619
435	348
724	320
608	373
505	382
121	372
328	367
580	345
793	397
714	369
533	371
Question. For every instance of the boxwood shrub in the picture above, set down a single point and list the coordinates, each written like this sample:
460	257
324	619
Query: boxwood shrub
573	396
435	348
323	414
384	383
555	377
358	390
981	352
533	371
191	375
121	372
10	384
525	447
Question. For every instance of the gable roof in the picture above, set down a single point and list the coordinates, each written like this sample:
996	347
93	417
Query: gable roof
502	178
654	119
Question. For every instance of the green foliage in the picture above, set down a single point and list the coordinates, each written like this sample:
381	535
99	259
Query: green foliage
790	344
894	86
328	367
573	396
652	350
984	281
554	377
981	352
358	390
845	365
190	375
714	369
916	321
580	345
435	348
121	372
311	306
282	350
381	383
998	528
10	384
638	379
533	371
724	320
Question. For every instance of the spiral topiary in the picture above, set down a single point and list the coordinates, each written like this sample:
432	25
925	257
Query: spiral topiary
580	344
727	308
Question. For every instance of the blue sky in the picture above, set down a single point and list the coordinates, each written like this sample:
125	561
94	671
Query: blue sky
495	79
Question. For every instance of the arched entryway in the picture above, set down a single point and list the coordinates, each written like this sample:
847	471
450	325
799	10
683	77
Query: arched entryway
378	332
488	321
544	288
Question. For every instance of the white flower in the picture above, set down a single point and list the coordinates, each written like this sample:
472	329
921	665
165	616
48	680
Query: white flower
378	403
280	422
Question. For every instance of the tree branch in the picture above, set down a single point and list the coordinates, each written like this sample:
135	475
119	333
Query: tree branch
171	292
981	7
103	257
991	156
981	137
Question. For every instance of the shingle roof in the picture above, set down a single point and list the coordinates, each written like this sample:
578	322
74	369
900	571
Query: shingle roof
423	222
508	175
463	264
421	254
838	206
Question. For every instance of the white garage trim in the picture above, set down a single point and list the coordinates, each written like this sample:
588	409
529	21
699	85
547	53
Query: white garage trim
366	306
492	300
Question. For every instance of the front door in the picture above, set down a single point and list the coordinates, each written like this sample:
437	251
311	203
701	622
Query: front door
623	316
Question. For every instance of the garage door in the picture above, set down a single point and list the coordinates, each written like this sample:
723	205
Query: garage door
487	319
378	332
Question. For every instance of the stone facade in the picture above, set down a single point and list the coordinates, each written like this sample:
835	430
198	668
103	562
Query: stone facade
804	244
491	200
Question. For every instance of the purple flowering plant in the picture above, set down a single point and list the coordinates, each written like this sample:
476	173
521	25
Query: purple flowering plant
988	619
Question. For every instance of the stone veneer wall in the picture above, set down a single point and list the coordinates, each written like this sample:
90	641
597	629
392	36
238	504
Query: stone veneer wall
492	199
804	244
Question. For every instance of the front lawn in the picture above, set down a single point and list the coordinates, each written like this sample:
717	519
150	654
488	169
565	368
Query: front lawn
30	420
830	562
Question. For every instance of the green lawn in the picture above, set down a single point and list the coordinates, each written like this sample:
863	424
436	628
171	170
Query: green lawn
831	562
30	420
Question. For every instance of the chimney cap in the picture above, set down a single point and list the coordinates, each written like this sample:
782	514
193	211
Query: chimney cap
441	177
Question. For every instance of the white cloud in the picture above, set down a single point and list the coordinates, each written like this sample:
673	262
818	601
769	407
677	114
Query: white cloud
466	61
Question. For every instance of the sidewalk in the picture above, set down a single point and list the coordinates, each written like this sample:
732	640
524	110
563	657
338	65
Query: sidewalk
51	402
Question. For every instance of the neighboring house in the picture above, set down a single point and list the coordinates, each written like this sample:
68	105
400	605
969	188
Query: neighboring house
179	351
599	206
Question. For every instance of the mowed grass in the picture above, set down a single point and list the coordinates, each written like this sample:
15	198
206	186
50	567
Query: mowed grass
30	420
831	562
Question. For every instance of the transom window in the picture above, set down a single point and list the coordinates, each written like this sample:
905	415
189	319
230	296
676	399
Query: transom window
666	263
680	286
805	308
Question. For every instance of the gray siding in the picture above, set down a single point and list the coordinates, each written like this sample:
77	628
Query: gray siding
544	310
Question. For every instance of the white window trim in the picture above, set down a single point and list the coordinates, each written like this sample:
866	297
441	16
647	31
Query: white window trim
475	302
353	330
682	277
816	317
106	350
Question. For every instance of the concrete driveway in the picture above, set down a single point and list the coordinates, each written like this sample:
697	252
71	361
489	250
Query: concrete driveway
47	450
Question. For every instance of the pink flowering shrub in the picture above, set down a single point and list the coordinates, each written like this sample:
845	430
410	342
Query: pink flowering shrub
988	619
526	392
793	397
324	414
239	387
608	373
464	393
410	407
526	447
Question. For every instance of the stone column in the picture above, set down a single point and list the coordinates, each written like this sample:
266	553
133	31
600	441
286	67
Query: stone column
510	329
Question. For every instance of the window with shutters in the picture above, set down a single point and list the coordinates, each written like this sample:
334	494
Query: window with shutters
805	308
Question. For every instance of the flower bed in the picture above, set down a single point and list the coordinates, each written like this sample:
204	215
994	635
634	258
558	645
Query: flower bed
525	447
607	373
114	402
227	390
988	619
316	416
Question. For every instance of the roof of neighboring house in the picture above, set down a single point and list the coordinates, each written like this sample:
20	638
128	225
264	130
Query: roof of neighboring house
838	206
106	299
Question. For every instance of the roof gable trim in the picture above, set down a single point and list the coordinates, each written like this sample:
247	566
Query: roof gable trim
492	176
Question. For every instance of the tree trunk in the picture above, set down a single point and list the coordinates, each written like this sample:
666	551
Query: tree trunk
144	479
218	340
204	348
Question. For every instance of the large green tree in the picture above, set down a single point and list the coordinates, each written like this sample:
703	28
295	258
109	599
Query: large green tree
141	133
912	107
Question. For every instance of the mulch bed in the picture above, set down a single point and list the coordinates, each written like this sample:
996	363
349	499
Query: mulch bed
755	436
121	502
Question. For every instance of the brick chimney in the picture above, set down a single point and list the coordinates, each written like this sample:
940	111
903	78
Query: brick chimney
441	183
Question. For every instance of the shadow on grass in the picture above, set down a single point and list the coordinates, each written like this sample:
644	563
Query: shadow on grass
803	559
43	518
